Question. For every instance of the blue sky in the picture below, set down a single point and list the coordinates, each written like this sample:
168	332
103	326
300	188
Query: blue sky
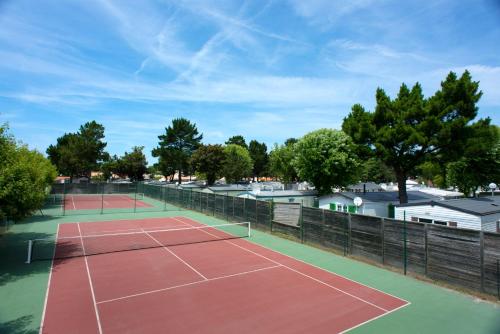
268	70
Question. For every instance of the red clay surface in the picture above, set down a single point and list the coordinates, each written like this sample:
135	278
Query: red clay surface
213	287
96	202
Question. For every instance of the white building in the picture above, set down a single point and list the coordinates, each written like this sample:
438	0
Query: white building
481	213
378	203
306	198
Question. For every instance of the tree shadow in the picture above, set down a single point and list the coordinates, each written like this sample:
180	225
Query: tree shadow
14	250
22	325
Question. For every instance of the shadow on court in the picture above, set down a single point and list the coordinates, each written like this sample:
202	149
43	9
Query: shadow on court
14	250
18	326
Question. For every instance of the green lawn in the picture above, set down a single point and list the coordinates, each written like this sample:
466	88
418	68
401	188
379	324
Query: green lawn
433	309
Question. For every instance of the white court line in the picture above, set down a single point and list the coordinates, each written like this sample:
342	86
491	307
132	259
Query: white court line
301	273
372	319
90	281
178	257
188	284
48	283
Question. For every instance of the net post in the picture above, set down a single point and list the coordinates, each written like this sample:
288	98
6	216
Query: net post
30	251
250	230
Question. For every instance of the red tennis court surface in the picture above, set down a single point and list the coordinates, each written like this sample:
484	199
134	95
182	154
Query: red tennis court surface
97	202
229	286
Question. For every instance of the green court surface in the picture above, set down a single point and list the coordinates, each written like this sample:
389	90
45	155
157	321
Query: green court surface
433	309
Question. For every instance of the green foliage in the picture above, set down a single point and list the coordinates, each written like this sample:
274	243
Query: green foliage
376	171
237	140
77	154
258	153
208	161
110	167
431	172
280	162
134	164
326	158
409	130
479	164
237	163
176	146
25	177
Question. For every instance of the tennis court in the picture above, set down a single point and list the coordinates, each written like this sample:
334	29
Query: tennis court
174	274
103	201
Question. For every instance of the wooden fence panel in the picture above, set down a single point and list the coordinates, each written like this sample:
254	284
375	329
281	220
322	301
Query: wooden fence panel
366	237
491	267
415	245
454	256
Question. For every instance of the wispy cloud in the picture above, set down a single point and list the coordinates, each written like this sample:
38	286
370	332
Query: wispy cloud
268	70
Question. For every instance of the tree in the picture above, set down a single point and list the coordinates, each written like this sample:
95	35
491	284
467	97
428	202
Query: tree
237	140
409	130
110	167
177	145
376	171
258	153
237	163
326	158
77	154
479	164
209	160
25	176
134	164
280	162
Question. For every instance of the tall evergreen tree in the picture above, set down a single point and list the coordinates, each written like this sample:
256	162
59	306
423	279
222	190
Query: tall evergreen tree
78	154
258	153
177	145
409	130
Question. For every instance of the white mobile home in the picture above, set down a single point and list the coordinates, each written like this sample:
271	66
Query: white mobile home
377	203
306	198
473	213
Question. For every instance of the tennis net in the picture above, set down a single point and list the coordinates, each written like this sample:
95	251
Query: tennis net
87	245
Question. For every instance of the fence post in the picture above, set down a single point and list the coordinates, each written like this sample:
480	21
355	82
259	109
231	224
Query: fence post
102	199
233	208
64	198
382	237
426	247
135	198
244	209
271	215
481	257
301	222
256	211
404	246
498	279
349	236
164	197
